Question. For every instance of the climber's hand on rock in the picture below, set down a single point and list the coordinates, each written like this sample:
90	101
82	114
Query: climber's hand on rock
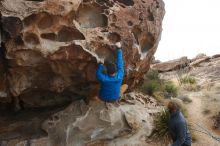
118	45
100	60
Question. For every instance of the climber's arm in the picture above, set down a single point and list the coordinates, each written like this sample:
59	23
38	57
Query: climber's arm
120	62
99	72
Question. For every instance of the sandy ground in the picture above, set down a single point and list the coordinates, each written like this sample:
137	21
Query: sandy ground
205	102
201	100
197	119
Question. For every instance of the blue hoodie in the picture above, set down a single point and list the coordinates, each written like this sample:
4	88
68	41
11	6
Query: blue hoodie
110	85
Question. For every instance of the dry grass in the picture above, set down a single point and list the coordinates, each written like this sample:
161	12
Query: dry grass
191	87
171	88
187	79
210	102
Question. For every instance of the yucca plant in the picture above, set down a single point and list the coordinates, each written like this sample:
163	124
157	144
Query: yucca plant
161	124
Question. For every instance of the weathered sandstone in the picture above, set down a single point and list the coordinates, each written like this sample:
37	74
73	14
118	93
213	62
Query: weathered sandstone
171	65
51	47
127	124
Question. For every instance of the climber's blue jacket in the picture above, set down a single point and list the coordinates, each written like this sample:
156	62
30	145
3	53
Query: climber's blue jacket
110	85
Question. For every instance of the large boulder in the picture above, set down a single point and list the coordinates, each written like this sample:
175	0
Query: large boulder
52	46
83	125
80	124
200	58
207	72
199	61
171	65
216	56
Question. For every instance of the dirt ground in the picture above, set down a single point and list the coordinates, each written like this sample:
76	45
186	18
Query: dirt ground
205	104
200	122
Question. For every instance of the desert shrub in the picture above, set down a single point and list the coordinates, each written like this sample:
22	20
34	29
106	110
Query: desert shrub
192	132
191	87
187	79
152	75
171	89
150	87
161	124
159	96
180	73
152	83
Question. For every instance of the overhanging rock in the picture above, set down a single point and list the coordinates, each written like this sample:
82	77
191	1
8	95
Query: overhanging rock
52	46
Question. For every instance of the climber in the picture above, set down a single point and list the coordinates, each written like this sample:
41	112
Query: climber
177	125
111	81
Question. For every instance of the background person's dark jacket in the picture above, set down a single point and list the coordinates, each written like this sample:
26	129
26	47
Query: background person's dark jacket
179	130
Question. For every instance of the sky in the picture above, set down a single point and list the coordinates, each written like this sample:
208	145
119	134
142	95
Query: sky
190	27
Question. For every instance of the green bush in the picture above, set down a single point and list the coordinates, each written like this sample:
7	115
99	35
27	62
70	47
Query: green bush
152	75
150	87
187	80
154	84
171	89
161	124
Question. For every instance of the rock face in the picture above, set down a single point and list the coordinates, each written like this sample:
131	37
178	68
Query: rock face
200	60
128	124
204	68
96	124
171	65
182	62
51	47
207	71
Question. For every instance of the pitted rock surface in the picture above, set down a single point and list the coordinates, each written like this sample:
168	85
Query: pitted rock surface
51	47
94	124
80	124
